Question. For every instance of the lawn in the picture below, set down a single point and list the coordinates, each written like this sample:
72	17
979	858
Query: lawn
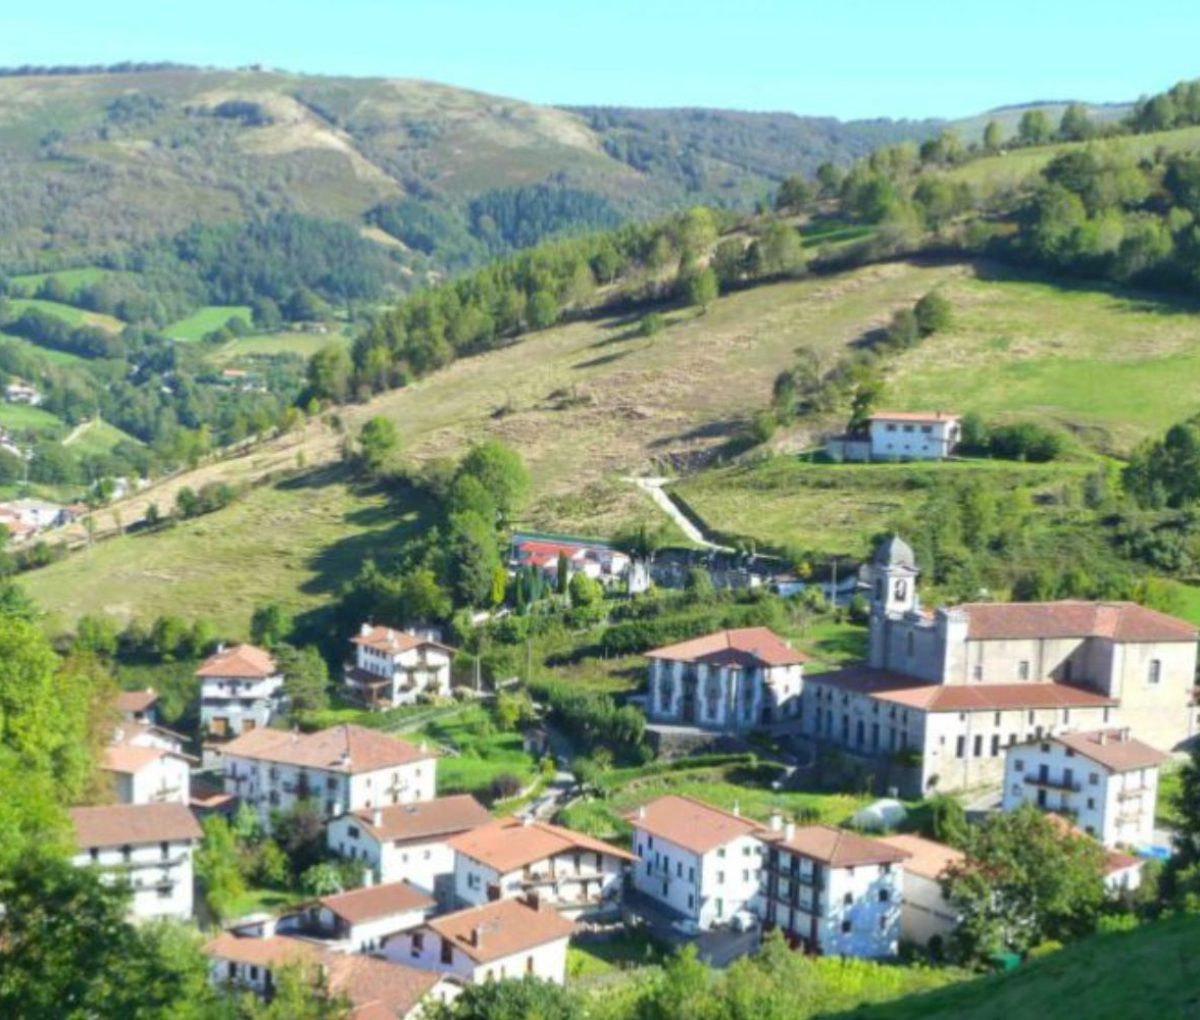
206	320
72	278
302	345
69	314
49	353
604	816
294	542
482	753
834	508
1152	971
589	957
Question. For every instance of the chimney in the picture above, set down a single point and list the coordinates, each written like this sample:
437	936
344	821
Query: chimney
377	818
364	629
776	821
641	811
526	819
220	647
534	899
737	809
789	831
1124	735
477	936
1102	737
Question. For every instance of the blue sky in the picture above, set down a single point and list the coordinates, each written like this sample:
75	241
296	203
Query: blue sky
849	58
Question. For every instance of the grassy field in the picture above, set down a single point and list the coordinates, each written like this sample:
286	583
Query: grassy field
834	507
205	320
69	314
291	543
72	278
24	417
303	345
1152	971
97	437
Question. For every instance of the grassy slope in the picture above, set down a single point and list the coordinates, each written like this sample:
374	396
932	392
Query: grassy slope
206	320
69	314
97	437
1152	971
303	345
24	417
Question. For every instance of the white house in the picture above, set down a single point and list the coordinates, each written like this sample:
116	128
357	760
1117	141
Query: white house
138	706
733	680
407	842
1105	780
697	861
834	892
22	393
569	871
952	689
150	845
340	769
377	989
926	916
504	939
598	560
240	690
147	775
360	921
913	435
397	667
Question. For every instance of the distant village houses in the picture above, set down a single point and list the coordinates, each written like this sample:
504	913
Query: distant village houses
18	392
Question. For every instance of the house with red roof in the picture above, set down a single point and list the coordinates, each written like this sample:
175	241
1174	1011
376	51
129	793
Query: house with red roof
241	689
599	560
730	681
948	691
397	667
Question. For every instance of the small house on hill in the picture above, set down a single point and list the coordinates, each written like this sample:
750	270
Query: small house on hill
900	435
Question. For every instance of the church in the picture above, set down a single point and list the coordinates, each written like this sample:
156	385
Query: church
947	691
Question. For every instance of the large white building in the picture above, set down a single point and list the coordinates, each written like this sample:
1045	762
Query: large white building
732	681
241	689
949	691
149	845
927	918
504	939
339	770
408	842
834	892
697	861
512	857
913	435
1105	780
397	667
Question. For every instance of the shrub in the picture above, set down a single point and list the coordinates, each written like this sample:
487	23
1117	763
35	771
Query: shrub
651	325
505	785
932	313
1026	441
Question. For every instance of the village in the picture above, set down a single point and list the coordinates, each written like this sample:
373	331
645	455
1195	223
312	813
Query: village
1069	708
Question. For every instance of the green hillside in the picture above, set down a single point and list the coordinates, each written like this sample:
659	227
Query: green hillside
1152	971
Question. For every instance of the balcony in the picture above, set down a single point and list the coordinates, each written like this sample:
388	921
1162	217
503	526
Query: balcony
1132	792
1050	783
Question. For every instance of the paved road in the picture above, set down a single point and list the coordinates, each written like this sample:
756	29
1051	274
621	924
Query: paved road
654	486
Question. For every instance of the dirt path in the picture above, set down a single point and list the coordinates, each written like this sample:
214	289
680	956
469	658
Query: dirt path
655	487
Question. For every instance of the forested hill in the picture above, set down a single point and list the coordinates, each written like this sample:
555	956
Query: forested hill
94	161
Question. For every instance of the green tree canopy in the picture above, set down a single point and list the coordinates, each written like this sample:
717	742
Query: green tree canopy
501	472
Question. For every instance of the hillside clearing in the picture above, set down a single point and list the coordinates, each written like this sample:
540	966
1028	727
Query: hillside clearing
206	320
69	313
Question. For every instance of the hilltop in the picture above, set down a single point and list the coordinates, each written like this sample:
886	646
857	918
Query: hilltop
95	161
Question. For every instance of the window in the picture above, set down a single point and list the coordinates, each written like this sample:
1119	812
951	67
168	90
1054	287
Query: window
960	747
691	874
996	719
447	952
1093	778
1155	671
721	853
848	899
884	895
1023	669
720	878
1016	788
95	853
977	672
164	849
679	869
126	854
1018	764
846	926
691	902
978	745
746	875
911	643
165	891
352	831
1091	803
995	744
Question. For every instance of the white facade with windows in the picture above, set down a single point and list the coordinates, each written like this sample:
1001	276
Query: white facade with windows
241	689
904	435
148	845
1104	781
397	667
147	775
345	769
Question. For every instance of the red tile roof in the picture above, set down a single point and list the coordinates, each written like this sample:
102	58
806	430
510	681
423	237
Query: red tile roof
926	857
360	905
136	701
1119	621
132	758
747	646
409	823
510	843
691	824
347	749
385	639
926	696
240	661
1115	749
120	824
928	416
840	848
500	929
